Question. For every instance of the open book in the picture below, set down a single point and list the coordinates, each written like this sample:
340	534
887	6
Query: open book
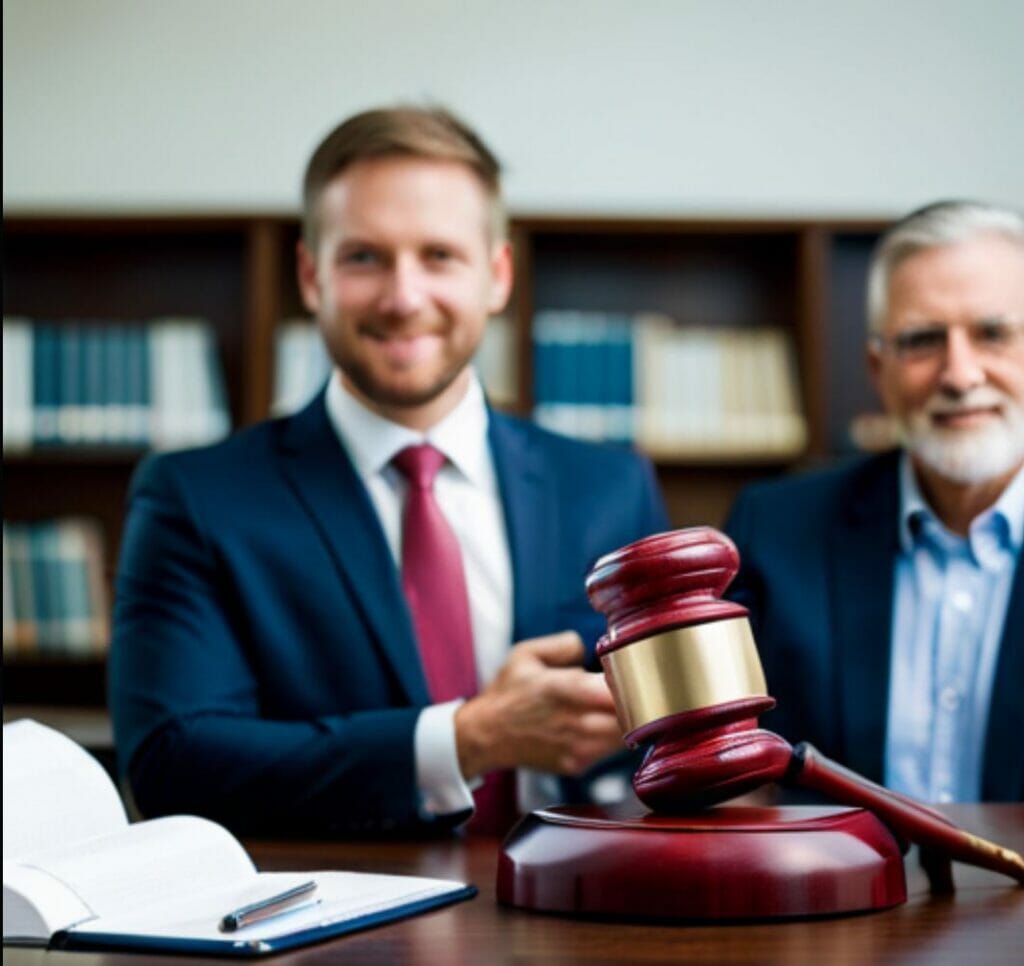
78	875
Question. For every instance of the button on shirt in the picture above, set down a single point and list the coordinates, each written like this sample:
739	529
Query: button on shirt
466	489
951	598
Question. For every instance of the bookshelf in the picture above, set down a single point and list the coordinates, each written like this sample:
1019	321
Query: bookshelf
128	271
801	277
804	278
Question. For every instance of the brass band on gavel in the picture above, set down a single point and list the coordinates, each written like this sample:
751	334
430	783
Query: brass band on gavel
682	670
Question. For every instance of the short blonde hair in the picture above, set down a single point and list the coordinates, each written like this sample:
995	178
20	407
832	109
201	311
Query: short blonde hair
432	133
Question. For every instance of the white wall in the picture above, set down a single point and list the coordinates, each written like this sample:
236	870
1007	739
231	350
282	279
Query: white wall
652	106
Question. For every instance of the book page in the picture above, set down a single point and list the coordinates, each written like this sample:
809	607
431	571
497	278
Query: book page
36	905
340	896
148	865
55	793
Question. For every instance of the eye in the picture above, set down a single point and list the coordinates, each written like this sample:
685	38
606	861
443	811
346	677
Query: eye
358	257
992	332
920	341
438	254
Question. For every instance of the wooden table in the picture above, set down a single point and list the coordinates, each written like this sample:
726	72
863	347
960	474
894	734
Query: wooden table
982	923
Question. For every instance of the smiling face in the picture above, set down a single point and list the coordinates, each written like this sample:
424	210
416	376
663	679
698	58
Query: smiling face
402	282
961	408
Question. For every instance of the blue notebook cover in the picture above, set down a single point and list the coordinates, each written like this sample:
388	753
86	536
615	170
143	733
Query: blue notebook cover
234	945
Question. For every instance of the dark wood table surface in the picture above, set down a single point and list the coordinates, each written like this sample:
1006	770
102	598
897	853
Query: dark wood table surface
982	923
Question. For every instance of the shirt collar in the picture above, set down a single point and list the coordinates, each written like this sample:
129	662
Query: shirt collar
913	508
1011	505
373	441
1005	515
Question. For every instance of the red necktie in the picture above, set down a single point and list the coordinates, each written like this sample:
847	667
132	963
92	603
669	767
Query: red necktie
435	587
434	581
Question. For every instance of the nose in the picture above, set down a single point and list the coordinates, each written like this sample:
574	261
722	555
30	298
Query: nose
404	292
962	369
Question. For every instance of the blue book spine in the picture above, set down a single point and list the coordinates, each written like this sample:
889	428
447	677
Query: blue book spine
94	383
617	422
117	427
138	393
566	378
70	394
45	378
146	395
589	364
542	363
39	559
627	393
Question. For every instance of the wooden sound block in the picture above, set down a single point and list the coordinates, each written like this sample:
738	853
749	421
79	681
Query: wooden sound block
728	862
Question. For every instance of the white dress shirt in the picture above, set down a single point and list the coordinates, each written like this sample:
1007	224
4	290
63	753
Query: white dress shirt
951	595
466	490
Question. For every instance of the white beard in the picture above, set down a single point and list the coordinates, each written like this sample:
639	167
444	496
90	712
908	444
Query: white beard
968	456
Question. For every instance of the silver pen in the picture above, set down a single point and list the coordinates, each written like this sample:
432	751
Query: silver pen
286	901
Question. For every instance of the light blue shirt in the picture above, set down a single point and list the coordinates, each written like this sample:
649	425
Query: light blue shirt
949	608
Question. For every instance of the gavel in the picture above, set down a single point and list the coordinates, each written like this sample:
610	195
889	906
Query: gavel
686	678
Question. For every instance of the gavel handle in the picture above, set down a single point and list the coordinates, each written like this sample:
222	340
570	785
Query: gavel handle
916	822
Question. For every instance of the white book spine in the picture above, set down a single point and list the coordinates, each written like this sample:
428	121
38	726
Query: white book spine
496	360
165	371
18	391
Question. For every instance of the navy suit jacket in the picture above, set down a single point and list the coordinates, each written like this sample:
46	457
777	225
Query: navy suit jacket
818	556
264	670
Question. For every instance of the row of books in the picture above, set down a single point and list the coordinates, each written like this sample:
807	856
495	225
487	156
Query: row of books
301	363
92	383
671	389
54	595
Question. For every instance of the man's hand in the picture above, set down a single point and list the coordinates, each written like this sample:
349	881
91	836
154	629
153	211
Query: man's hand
542	711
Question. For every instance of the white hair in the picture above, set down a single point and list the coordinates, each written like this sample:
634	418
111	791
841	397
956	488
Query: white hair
941	223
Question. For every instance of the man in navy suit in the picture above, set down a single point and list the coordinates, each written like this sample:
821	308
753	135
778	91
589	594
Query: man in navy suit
887	595
265	669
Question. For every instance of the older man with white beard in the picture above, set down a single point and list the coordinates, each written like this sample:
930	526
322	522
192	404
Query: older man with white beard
887	595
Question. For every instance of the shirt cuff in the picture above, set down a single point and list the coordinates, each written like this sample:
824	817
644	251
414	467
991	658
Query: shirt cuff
442	788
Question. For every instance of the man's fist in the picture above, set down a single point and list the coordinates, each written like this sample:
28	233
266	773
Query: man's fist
542	711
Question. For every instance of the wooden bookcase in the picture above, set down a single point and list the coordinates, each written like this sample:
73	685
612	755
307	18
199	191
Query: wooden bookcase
806	277
232	271
237	271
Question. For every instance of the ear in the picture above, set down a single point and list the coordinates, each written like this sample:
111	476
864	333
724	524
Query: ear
873	358
502	273
305	274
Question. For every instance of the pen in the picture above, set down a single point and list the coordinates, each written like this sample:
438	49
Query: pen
265	908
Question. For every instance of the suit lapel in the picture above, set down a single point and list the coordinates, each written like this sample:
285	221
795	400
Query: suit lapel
863	550
322	476
531	517
1003	768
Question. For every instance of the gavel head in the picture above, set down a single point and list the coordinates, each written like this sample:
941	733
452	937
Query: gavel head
683	670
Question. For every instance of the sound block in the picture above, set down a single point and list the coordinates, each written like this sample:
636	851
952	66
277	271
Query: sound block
725	863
